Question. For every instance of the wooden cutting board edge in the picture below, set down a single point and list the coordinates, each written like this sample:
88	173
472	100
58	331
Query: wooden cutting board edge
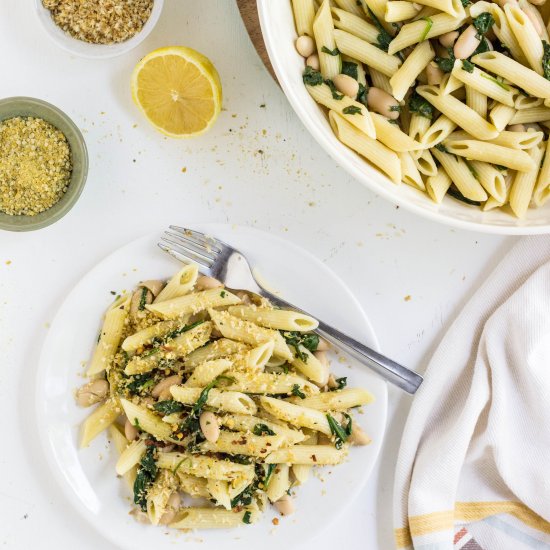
249	15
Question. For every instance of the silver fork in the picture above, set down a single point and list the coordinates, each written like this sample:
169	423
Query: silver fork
221	261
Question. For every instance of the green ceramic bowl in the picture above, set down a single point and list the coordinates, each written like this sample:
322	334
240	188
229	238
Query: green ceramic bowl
28	106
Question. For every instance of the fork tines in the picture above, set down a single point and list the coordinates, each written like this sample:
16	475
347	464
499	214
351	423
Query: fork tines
189	245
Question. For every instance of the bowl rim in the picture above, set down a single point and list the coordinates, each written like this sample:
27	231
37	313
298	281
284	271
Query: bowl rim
381	190
31	222
95	51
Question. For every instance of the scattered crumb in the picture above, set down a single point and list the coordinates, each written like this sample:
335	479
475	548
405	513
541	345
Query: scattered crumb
184	169
275	521
46	325
407	298
8	262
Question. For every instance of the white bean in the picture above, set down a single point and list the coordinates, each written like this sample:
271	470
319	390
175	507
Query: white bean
466	43
380	101
305	45
331	383
322	357
209	426
448	39
167	517
285	505
91	393
313	62
323	345
130	431
171	508
516	128
358	436
244	296
154	285
206	283
434	74
346	85
165	385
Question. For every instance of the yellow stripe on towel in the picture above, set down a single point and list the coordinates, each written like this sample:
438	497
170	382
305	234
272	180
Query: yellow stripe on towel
468	512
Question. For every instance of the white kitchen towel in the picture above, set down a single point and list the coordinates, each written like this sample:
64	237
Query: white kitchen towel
474	464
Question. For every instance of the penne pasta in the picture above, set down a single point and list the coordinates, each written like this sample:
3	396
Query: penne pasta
524	183
193	303
434	86
207	397
110	335
366	53
297	415
100	419
325	38
180	284
210	518
359	115
417	31
304	13
229	401
337	400
319	455
277	319
244	331
374	151
459	113
489	152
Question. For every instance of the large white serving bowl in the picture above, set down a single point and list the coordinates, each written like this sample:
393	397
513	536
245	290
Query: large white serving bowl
95	51
279	34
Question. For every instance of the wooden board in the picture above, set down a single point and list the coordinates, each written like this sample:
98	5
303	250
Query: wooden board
249	14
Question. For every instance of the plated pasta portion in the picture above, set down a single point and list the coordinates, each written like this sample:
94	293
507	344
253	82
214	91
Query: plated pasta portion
451	97
217	403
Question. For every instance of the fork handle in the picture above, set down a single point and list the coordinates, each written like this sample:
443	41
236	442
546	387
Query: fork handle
391	371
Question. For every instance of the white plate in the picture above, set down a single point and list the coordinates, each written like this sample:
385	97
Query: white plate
279	35
87	476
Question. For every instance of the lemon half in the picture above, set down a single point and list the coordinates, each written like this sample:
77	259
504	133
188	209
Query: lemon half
178	90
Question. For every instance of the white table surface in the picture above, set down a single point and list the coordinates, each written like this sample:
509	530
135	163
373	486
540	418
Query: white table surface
257	166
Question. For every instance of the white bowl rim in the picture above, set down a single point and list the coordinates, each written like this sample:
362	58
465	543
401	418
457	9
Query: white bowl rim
321	138
95	51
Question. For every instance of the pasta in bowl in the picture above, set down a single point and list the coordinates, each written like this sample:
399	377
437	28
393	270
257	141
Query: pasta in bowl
222	398
447	98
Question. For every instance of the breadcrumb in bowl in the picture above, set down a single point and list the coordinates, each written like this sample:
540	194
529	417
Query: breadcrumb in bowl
100	28
61	184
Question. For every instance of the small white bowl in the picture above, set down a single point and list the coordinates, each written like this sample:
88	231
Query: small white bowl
95	51
279	35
